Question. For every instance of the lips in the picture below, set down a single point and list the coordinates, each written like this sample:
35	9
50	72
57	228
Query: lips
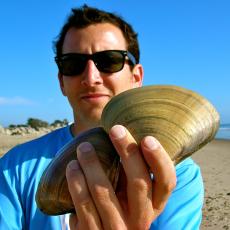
95	98
94	95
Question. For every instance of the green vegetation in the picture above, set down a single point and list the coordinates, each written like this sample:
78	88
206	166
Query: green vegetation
38	123
59	122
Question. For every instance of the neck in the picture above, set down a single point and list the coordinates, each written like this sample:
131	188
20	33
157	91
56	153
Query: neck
78	127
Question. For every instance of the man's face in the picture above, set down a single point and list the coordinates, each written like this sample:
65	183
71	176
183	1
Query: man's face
90	91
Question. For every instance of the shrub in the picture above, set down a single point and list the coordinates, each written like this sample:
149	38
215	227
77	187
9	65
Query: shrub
36	123
59	122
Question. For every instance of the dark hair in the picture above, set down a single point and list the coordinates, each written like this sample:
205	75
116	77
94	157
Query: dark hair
85	16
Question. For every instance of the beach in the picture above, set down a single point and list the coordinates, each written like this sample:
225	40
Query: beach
214	160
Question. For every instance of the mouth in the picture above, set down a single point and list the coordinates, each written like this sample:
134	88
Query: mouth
95	97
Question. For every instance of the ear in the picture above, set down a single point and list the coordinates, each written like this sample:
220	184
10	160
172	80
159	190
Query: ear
61	83
138	73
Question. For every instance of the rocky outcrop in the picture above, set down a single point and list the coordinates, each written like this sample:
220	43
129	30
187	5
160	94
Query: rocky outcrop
26	130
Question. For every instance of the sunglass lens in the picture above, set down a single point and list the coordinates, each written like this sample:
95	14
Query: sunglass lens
109	61
72	65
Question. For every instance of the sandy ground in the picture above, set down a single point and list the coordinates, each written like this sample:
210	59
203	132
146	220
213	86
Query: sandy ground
214	160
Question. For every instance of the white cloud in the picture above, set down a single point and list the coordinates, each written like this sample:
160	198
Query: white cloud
15	101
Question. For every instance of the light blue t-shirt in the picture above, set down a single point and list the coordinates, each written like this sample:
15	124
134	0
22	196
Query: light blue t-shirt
22	167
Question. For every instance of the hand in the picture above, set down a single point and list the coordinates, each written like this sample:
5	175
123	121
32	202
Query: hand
138	200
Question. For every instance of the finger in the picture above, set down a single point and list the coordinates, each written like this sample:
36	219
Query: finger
100	187
87	214
163	170
139	184
121	190
73	221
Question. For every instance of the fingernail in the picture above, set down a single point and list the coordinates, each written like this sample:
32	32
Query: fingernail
85	147
73	165
118	132
151	143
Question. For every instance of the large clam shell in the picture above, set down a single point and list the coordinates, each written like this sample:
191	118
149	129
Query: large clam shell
182	120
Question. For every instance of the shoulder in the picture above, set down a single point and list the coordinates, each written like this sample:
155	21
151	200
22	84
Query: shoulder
184	207
22	167
189	186
27	158
188	174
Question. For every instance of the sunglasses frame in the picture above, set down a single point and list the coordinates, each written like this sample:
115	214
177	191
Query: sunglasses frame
125	54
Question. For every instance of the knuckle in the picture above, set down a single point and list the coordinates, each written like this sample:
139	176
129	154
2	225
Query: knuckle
170	185
141	184
101	193
132	149
86	203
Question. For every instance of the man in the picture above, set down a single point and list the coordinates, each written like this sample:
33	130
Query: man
97	55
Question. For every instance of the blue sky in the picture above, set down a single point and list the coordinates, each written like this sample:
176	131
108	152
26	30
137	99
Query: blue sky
185	43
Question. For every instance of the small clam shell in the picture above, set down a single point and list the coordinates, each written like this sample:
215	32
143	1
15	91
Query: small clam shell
182	120
53	197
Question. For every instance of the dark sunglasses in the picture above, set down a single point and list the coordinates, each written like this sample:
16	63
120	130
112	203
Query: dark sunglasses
108	61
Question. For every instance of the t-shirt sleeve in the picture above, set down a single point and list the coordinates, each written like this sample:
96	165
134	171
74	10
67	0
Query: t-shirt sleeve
11	212
184	208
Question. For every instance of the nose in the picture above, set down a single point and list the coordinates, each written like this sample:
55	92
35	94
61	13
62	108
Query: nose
91	75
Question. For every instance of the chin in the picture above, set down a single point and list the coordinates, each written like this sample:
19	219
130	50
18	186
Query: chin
94	119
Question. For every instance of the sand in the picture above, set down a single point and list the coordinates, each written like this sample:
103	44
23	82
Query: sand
214	160
8	141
